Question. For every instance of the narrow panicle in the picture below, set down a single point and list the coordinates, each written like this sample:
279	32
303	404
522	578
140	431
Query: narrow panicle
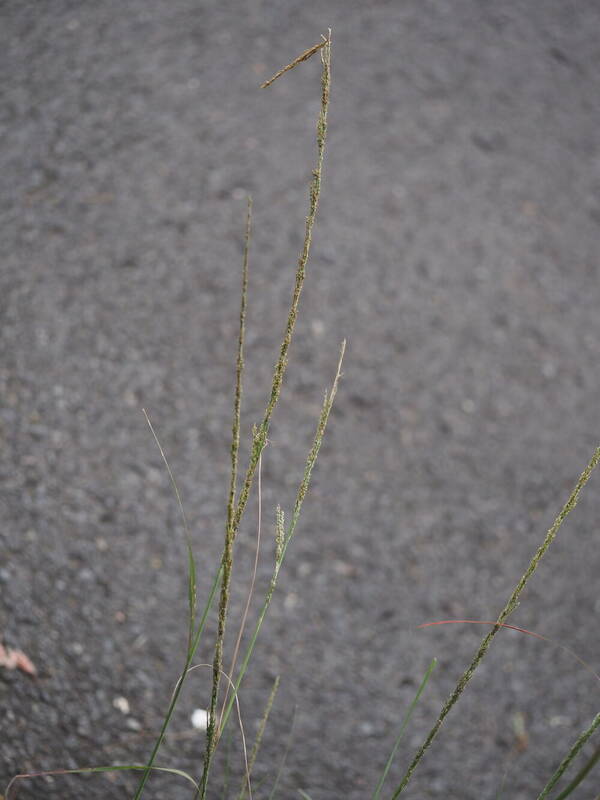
260	437
510	606
286	536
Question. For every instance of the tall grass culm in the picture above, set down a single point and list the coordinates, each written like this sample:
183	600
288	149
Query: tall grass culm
237	503
237	499
510	606
238	494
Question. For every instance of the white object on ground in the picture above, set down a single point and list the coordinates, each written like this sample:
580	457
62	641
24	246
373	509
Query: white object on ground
122	704
200	719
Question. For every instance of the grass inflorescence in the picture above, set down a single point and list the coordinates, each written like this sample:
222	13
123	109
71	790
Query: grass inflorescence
510	606
261	432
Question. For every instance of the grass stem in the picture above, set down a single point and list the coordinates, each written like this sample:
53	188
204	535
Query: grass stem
260	437
506	611
283	540
583	772
567	760
192	603
235	438
403	726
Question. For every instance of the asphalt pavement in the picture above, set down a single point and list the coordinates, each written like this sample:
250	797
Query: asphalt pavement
456	249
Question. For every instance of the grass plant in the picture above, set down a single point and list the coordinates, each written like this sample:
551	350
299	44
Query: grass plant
235	514
237	500
508	609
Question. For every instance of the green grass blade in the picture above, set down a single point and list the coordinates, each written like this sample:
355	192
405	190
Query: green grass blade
193	646
88	770
304	795
567	760
583	772
163	730
190	655
177	691
302	492
510	606
403	727
206	610
192	603
188	539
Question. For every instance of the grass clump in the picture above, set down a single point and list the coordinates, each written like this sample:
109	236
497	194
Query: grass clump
237	500
235	514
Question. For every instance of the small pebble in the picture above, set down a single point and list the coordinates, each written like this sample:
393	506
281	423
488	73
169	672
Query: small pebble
121	704
199	719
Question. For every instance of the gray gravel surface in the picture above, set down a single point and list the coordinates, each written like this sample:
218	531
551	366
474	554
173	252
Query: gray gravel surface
456	250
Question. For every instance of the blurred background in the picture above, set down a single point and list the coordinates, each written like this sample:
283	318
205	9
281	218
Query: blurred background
455	249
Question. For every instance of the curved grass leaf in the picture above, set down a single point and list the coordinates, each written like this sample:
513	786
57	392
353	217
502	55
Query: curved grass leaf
87	770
